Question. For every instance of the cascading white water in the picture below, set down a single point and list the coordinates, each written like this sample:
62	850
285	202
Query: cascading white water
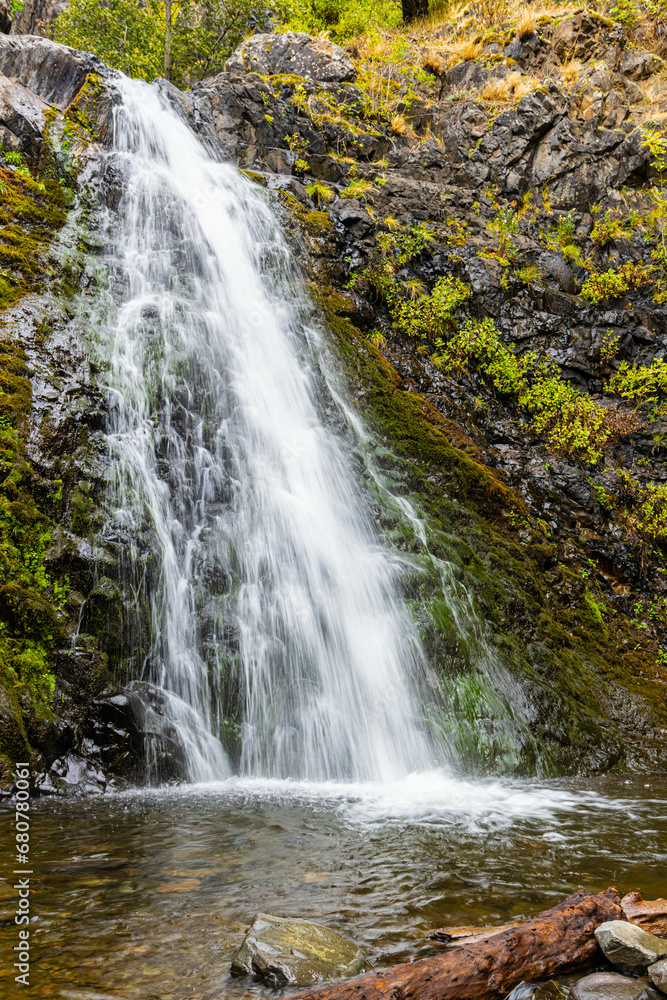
256	522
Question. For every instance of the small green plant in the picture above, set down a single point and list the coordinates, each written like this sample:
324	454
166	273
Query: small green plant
296	143
505	225
13	158
320	193
357	188
609	346
606	230
566	229
529	274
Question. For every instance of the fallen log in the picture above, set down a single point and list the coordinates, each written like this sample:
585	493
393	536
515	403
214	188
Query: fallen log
457	936
649	914
557	940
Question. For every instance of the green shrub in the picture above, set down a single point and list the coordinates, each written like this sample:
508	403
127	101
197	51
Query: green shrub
645	385
606	230
571	420
614	284
429	316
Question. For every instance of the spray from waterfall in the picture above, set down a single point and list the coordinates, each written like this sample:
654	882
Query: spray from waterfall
245	528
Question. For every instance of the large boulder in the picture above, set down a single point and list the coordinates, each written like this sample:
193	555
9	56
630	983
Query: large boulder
294	53
629	947
54	72
285	951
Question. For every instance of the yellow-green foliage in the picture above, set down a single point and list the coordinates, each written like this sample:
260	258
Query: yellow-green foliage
645	385
430	315
29	620
31	213
641	507
415	312
572	422
319	192
606	230
614	284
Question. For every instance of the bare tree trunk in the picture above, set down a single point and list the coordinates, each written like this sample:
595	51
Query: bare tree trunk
167	40
557	940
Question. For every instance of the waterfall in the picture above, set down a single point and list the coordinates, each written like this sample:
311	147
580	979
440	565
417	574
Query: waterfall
245	527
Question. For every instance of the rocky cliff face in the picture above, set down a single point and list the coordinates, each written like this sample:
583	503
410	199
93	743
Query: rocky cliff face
513	182
502	187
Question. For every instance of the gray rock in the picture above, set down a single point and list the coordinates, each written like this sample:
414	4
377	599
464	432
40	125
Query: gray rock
608	986
54	72
638	64
657	973
22	113
284	950
293	52
556	267
629	947
353	216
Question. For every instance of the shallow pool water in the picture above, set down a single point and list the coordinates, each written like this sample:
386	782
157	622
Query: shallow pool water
148	893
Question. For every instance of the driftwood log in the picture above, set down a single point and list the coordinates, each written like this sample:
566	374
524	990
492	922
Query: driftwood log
650	914
557	940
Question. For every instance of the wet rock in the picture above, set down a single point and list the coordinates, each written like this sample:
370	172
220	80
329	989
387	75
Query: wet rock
294	53
54	72
70	775
556	267
608	986
282	951
353	216
657	973
550	990
629	947
638	64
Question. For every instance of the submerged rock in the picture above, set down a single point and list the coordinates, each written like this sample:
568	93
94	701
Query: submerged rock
285	950
550	990
629	947
657	973
609	986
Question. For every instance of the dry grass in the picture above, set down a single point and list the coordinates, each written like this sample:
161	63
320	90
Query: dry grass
527	24
570	72
511	87
432	60
399	126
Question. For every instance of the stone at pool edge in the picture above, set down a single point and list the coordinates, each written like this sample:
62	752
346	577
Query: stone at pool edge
284	951
609	986
657	973
628	947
